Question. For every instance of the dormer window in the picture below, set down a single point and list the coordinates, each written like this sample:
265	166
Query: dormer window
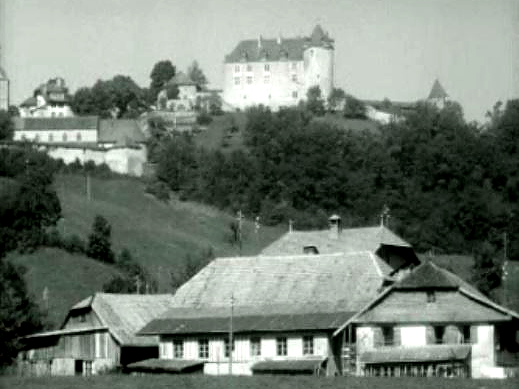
310	250
431	296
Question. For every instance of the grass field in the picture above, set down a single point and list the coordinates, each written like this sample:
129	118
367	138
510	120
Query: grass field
67	277
278	382
159	236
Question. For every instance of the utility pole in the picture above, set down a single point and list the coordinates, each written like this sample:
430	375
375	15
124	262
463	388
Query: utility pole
504	268
137	284
240	221
231	334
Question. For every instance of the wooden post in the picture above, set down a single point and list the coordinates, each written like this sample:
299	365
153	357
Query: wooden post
231	334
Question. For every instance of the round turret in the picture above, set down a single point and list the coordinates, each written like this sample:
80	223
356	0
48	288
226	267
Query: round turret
318	59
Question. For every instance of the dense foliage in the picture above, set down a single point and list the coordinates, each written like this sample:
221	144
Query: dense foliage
99	241
449	185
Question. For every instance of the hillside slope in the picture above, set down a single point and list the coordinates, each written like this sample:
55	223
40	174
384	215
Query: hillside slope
67	277
159	235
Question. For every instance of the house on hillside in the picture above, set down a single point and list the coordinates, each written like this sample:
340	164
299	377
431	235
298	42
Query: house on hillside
285	310
119	143
432	323
50	99
98	334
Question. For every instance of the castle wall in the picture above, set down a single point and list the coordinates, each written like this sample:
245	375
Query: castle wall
318	69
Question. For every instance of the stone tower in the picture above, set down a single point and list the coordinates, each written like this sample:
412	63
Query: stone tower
318	57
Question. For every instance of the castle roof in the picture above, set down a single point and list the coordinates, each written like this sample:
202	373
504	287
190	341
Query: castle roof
289	49
437	91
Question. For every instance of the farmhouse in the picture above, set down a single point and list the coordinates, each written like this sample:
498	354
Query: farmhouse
50	99
98	334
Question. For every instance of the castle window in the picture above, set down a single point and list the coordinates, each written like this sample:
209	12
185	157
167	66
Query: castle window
51	138
266	79
64	137
294	95
431	296
249	68
267	67
236	68
281	346
236	80
308	345
293	65
255	347
203	348
178	348
249	80
294	77
78	137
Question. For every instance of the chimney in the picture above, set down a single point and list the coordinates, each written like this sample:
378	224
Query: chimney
334	223
279	39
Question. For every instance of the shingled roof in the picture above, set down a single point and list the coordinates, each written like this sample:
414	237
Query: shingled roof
437	91
57	123
125	314
348	240
122	132
288	284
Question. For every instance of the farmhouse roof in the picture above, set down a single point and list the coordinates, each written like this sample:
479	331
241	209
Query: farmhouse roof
244	324
437	91
59	123
432	353
288	284
125	314
348	240
120	131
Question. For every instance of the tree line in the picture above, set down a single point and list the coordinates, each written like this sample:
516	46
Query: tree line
451	186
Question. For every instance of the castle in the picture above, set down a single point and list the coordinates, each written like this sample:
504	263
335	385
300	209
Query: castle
278	72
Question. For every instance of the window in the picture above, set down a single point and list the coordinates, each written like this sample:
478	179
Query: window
388	333
281	346
82	318
178	348
249	68
51	138
266	79
53	114
255	347
78	137
294	95
236	80
88	368
308	345
61	114
64	137
294	77
267	67
37	138
236	68
203	348
311	53
293	65
431	296
226	348
465	333
249	80
438	334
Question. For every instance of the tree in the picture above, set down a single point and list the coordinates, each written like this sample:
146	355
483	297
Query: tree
6	126
196	74
354	108
19	315
162	72
487	268
336	99
13	111
314	101
215	104
99	245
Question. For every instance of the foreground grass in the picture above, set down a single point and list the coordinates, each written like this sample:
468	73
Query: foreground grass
277	382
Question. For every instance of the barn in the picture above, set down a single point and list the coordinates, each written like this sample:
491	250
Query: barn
98	334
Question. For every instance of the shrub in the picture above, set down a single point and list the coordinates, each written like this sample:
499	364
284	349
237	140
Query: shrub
203	118
73	244
159	189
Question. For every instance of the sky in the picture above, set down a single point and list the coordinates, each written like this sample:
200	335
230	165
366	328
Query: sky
383	48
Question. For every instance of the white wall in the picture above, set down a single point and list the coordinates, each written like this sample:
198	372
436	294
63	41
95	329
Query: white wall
217	363
412	336
483	357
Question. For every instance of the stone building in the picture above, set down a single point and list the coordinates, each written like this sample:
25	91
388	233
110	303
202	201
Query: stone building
278	72
50	99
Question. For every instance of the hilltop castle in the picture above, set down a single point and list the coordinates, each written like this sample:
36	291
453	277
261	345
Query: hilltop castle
278	72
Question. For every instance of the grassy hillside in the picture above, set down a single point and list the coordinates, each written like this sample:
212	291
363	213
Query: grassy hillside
159	235
257	382
67	277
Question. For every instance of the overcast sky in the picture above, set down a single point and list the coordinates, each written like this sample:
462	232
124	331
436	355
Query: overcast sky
384	48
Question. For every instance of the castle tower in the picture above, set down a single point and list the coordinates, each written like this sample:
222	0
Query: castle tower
318	57
437	96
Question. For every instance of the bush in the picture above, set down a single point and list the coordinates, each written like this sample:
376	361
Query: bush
204	118
99	245
73	244
159	189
